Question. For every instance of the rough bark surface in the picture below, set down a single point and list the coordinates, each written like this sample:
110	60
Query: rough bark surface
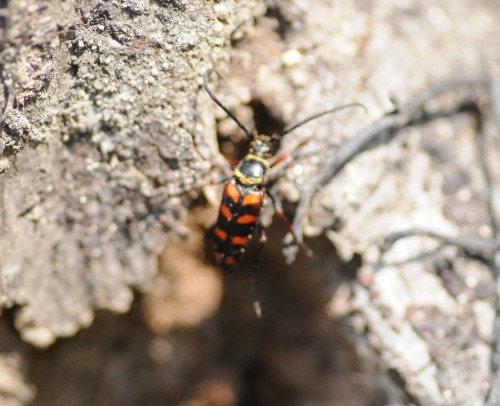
105	124
102	128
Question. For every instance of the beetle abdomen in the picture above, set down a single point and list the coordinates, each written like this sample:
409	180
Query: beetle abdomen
238	216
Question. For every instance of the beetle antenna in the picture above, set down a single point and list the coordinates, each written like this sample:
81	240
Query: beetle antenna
314	117
219	103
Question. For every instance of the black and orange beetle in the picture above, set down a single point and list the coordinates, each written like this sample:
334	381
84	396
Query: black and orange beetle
244	192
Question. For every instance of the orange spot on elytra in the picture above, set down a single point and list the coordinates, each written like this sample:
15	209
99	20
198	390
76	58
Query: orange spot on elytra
230	261
233	192
239	240
226	212
252	199
218	256
247	219
220	233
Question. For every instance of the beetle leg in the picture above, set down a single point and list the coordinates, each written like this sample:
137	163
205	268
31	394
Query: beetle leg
213	182
262	240
278	208
280	158
209	195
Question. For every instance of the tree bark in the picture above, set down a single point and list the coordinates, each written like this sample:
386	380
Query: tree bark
106	129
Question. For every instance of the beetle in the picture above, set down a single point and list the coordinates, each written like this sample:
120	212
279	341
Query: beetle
244	192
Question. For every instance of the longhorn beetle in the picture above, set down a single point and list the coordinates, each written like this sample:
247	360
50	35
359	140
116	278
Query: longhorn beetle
244	192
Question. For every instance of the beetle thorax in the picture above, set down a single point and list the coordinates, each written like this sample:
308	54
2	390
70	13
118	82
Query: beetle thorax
251	170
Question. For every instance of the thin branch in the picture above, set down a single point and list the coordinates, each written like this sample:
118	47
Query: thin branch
382	132
473	245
